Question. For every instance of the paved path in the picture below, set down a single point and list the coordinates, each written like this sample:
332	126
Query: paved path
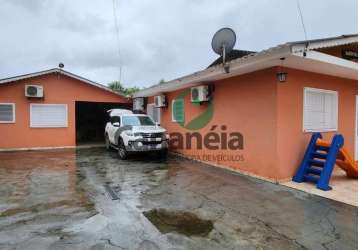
58	200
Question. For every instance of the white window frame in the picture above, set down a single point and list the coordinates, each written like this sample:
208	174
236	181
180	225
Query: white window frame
48	126
158	110
321	91
173	101
13	112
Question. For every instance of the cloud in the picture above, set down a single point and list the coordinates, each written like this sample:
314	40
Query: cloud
157	39
34	6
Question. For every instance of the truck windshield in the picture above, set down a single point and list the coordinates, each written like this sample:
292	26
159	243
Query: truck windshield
137	121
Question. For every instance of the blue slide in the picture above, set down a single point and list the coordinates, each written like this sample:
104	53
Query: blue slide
318	162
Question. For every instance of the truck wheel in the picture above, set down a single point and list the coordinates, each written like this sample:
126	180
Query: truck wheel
122	152
163	154
107	143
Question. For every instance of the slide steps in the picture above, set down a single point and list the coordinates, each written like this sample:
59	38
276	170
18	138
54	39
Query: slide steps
319	160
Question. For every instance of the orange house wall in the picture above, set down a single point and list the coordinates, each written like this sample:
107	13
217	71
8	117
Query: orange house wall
57	90
269	114
245	104
291	140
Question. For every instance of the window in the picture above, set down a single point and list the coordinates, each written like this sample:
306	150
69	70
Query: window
178	110
320	111
48	115
115	119
7	112
153	112
142	120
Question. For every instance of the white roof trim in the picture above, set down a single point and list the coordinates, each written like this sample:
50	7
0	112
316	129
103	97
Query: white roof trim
265	59
60	71
247	64
322	63
323	43
322	57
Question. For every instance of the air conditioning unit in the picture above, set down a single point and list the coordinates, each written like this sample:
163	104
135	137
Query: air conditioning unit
35	91
138	104
159	101
200	94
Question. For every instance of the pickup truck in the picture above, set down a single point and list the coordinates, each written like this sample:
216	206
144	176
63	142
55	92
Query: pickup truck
128	133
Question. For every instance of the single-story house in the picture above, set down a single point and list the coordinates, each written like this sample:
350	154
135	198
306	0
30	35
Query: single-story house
269	102
53	108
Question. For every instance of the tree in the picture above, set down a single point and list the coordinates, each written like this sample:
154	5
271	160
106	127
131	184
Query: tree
131	91
162	81
118	87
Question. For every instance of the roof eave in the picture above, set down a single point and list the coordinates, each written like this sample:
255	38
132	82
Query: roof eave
322	43
95	84
59	71
322	63
247	64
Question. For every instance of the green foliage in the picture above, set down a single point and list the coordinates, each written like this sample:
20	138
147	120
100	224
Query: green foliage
162	81
131	91
118	87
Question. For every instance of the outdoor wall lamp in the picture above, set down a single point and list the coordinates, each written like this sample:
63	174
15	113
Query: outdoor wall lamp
281	75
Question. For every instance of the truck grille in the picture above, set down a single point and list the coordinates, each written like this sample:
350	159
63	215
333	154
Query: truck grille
151	135
151	142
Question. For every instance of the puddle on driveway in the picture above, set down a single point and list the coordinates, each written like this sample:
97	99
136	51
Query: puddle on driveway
40	190
48	198
182	222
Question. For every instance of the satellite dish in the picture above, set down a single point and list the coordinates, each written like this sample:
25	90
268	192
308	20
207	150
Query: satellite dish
224	39
61	65
223	42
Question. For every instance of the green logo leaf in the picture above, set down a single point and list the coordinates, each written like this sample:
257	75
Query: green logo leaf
196	123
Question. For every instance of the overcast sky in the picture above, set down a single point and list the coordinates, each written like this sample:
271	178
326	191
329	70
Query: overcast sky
157	38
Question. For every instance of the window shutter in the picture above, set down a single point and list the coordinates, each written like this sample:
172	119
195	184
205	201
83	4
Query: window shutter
314	110
178	110
7	113
48	115
320	110
330	111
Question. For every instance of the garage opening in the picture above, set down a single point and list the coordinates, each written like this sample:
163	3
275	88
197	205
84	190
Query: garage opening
91	119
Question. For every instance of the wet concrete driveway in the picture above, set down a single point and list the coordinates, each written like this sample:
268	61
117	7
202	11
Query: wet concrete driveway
62	200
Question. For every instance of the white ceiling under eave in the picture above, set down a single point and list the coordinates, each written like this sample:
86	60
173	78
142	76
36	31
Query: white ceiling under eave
321	63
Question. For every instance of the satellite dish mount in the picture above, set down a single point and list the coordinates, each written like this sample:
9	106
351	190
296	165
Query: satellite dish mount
223	42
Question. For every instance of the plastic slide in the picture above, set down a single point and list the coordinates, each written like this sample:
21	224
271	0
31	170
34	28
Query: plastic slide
344	160
320	159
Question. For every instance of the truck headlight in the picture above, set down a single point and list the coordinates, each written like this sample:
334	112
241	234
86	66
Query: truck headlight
129	133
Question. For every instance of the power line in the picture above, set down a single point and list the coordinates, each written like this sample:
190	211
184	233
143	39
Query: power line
301	17
117	37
